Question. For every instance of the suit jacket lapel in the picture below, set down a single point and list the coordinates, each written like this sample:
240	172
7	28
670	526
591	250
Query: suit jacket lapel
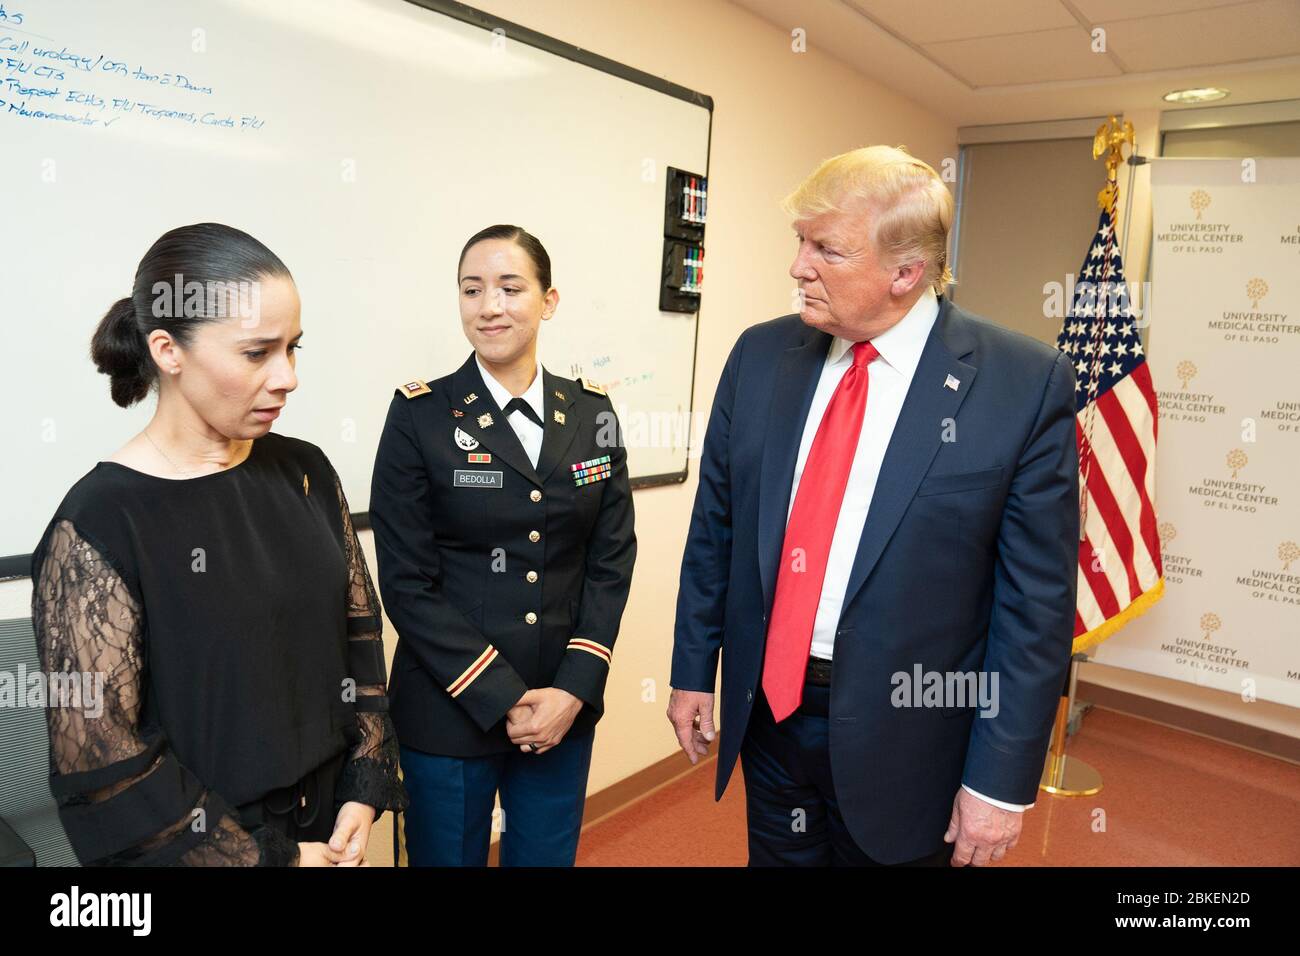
796	377
916	438
556	437
496	435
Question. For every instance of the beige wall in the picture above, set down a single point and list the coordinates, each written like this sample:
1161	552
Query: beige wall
777	114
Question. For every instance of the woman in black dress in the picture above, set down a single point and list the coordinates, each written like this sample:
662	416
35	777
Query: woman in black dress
209	574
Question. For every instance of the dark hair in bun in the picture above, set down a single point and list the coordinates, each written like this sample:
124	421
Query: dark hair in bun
524	239
208	253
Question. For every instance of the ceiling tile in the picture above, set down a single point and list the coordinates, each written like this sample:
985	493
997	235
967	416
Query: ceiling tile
934	21
1097	11
1024	58
1249	31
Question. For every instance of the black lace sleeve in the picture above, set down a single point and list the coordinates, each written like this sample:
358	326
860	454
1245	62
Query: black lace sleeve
370	774
123	796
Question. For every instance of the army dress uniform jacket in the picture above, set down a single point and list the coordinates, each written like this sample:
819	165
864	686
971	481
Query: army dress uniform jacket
497	576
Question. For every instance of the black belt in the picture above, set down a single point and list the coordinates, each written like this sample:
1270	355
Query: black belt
301	802
818	673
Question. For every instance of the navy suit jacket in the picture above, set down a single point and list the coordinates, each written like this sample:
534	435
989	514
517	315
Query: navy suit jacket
967	563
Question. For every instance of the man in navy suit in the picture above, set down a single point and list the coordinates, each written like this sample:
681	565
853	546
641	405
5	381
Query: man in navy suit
883	549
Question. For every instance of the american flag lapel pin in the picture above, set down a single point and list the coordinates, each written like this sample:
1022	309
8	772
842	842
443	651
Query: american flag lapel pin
951	383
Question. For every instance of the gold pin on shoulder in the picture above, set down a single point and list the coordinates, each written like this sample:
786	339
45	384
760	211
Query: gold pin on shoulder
591	386
414	389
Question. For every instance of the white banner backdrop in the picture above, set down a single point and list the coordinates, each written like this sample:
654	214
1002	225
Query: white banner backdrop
1224	351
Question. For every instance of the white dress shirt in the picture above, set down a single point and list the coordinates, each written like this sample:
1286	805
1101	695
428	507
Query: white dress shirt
890	376
530	433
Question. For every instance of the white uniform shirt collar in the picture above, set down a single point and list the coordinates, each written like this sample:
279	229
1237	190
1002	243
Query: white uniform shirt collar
501	395
900	345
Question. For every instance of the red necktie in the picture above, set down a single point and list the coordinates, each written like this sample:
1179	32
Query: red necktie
808	537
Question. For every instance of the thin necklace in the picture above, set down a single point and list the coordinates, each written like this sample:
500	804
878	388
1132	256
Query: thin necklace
175	467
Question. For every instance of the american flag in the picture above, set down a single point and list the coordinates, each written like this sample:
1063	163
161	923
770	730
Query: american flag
1120	572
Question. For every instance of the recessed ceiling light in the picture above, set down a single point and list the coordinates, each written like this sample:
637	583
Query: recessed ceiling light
1203	94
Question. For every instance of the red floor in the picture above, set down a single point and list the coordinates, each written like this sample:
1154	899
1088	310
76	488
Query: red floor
1169	799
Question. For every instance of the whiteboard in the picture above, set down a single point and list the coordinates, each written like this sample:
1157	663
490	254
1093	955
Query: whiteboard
363	141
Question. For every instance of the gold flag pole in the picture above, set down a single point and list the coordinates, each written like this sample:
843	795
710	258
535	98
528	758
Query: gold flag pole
1063	775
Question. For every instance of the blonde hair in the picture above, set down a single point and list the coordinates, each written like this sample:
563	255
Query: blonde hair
913	208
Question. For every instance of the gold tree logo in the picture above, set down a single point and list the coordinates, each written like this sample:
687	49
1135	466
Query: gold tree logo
1237	460
1186	371
1167	533
1209	624
1200	199
1256	289
1287	552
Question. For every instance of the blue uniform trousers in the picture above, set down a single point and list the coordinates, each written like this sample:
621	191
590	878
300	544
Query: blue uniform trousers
450	820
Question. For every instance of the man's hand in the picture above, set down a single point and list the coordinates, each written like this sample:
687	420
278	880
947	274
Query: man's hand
983	832
352	833
542	716
691	714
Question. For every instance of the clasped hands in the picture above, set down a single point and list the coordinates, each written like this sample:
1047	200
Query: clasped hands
542	717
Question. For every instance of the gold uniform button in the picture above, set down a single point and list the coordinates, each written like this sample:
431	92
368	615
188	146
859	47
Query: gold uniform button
534	536
530	617
532	577
535	495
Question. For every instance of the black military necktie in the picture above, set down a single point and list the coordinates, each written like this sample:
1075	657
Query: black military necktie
519	405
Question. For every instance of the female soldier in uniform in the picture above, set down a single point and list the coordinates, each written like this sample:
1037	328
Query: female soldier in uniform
502	515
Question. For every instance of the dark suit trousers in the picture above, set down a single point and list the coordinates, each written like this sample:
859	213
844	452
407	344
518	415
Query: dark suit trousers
793	816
